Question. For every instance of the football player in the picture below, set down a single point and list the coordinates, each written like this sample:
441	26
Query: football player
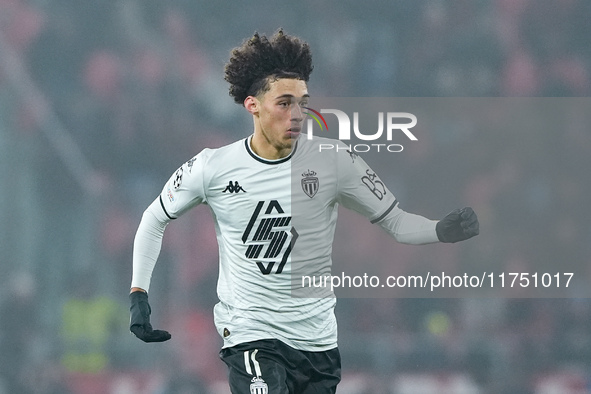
274	198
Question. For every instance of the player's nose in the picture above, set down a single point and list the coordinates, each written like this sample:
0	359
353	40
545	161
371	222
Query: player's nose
297	113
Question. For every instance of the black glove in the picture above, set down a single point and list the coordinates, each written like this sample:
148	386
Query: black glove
458	225
139	323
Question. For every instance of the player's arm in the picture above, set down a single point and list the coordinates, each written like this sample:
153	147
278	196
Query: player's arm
408	228
363	191
183	191
146	248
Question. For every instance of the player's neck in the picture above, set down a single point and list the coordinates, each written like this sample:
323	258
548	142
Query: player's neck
262	148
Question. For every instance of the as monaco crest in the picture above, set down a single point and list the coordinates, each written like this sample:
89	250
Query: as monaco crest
310	183
258	386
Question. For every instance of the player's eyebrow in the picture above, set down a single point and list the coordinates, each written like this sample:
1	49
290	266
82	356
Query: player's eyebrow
290	96
305	97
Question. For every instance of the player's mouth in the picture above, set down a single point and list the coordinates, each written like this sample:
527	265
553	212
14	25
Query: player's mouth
294	131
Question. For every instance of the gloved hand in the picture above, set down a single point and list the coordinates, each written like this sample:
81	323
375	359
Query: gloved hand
458	225
139	323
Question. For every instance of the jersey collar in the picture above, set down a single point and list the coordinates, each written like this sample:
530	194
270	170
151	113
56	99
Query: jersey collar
266	161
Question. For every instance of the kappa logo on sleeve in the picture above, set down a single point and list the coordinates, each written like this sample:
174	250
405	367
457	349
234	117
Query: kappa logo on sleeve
190	164
353	155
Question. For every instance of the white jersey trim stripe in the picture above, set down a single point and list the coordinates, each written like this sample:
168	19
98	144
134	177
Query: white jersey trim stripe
164	209
257	367
382	216
247	363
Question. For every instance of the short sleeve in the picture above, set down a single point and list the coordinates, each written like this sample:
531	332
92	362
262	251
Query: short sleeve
185	188
359	187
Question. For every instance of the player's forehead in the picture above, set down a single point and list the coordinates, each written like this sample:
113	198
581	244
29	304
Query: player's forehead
287	87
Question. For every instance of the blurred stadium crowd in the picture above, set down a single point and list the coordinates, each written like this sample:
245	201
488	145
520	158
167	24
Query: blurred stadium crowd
101	101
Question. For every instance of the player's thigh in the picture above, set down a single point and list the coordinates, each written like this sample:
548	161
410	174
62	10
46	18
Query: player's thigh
324	372
326	386
251	370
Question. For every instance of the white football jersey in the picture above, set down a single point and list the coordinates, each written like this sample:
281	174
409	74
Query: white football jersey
275	221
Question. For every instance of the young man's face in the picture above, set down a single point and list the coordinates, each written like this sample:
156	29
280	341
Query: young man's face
280	115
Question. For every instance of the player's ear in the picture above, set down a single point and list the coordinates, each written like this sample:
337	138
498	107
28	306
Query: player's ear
251	104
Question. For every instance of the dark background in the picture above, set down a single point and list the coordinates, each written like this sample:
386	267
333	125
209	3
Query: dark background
101	101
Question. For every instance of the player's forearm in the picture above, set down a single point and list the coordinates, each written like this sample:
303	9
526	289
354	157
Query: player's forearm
409	228
147	245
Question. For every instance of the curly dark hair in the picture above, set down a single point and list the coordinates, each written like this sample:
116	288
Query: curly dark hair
260	61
